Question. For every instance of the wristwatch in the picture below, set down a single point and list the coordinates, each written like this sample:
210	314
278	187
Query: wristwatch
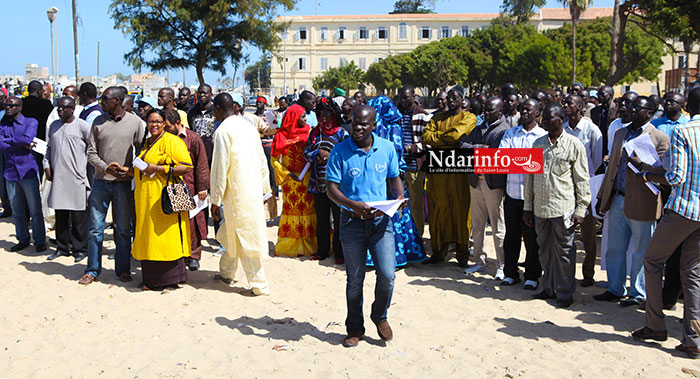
644	176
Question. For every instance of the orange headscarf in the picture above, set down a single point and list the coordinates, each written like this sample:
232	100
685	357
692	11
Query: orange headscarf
290	132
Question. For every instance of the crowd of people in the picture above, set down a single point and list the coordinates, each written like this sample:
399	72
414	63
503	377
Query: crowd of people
329	157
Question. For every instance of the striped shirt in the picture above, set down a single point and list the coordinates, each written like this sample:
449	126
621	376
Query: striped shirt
518	137
412	126
684	174
318	141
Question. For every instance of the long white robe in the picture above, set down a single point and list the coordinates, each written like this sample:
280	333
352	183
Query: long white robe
239	180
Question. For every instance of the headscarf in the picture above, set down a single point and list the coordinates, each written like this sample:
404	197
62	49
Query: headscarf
261	99
389	124
290	132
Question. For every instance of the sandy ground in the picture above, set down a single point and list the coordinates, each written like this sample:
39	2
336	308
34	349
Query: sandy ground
445	325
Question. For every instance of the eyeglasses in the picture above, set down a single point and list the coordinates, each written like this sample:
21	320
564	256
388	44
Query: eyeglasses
670	101
10	105
66	106
639	108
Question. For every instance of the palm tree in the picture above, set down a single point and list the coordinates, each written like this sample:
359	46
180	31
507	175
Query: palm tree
576	9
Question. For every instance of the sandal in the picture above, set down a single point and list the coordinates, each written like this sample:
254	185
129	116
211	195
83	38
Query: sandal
86	279
125	277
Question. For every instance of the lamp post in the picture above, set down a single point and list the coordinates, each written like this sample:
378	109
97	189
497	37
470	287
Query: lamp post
51	14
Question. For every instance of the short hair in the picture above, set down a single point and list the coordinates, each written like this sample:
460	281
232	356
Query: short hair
172	116
72	100
475	106
223	101
119	93
694	99
124	89
558	110
305	94
88	89
408	87
34	86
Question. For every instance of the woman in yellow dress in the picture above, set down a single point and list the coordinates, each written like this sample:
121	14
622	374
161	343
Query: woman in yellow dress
297	229
161	242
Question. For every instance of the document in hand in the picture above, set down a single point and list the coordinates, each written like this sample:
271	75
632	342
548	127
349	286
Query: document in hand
651	186
39	146
643	148
199	205
388	207
142	165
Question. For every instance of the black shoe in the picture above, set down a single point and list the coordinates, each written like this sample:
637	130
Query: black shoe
5	214
56	254
40	247
543	295
111	256
564	303
193	265
52	241
629	302
463	263
646	333
434	259
79	257
670	307
607	296
19	246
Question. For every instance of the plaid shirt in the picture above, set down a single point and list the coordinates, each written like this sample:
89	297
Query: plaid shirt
413	124
684	174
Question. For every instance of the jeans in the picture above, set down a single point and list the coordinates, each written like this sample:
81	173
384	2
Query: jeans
122	199
21	192
623	232
357	236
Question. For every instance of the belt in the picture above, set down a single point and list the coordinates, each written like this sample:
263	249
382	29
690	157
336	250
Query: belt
355	216
621	193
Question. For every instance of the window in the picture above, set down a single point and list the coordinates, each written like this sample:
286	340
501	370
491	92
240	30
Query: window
324	63
425	32
343	61
381	33
302	33
465	30
302	63
363	33
682	62
377	60
283	35
402	31
341	33
324	33
445	32
363	63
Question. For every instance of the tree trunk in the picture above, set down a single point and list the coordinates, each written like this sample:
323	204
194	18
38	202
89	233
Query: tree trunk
617	72
686	70
573	43
614	35
200	73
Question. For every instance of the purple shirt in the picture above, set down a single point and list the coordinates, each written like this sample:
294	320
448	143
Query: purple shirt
14	136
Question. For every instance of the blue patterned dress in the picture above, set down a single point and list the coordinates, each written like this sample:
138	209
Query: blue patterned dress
409	245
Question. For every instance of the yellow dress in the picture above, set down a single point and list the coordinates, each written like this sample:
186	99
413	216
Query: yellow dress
448	194
157	236
297	229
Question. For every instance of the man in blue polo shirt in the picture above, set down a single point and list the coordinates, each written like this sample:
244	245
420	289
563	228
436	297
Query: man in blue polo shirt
358	171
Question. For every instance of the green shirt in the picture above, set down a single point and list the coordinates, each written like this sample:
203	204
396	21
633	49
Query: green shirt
563	186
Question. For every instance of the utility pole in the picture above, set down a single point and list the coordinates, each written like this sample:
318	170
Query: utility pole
98	63
75	43
51	14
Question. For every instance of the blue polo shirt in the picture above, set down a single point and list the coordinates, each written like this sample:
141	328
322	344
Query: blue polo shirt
361	176
667	126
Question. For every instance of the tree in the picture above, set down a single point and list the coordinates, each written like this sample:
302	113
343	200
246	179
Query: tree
205	34
389	73
347	76
258	75
225	82
438	64
576	9
413	6
521	10
121	77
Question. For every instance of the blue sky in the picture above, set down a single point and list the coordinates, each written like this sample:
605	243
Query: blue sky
27	30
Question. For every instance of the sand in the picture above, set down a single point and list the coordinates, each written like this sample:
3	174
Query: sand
445	325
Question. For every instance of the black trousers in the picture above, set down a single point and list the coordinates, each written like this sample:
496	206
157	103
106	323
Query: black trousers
672	278
324	206
72	230
515	229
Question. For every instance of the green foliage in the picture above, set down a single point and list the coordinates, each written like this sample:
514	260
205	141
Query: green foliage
121	77
205	34
347	77
439	64
258	75
389	73
413	6
521	10
669	18
576	7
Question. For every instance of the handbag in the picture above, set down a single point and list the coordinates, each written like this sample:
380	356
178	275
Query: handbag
175	197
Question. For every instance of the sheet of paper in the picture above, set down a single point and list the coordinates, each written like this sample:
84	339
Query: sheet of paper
141	165
388	207
199	205
643	148
270	119
651	186
596	182
40	146
304	171
267	196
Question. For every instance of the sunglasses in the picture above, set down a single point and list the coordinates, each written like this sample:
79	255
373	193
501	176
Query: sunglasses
10	105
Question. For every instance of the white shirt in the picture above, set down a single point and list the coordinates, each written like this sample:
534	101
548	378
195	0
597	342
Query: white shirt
517	137
589	133
94	114
614	127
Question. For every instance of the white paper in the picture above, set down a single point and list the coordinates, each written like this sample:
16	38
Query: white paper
40	146
270	119
304	171
388	207
199	205
596	182
643	148
267	196
569	218
650	185
141	165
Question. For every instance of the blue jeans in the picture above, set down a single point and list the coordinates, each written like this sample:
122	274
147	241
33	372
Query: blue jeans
357	236
21	192
623	232
119	194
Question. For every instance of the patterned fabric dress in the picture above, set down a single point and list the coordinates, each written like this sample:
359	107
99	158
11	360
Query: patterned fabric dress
409	245
297	228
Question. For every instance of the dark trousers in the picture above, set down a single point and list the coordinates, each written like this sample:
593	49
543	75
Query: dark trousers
72	230
4	198
557	256
588	237
273	185
516	229
324	207
672	278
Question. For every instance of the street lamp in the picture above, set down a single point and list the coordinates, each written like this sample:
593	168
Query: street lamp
51	14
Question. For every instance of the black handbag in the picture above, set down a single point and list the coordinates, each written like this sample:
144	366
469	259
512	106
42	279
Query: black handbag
176	197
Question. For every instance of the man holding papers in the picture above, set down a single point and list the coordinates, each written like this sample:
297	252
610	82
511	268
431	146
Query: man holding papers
357	172
633	207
